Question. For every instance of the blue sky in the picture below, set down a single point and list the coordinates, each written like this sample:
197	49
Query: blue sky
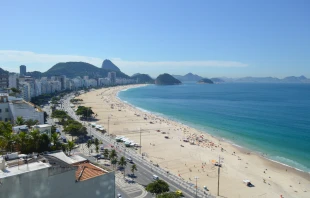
210	38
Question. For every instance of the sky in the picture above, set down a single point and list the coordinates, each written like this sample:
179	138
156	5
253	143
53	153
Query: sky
209	38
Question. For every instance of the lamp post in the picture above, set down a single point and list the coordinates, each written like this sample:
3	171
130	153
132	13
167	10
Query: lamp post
196	185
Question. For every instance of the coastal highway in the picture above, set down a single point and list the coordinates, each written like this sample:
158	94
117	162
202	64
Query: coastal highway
146	169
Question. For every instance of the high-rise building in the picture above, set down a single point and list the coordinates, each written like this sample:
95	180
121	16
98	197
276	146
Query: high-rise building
4	81
13	81
22	70
112	77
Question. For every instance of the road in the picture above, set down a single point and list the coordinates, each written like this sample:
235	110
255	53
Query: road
146	169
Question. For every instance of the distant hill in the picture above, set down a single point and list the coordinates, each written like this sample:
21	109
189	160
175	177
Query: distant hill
217	80
2	71
108	65
35	74
143	78
166	79
74	69
188	77
290	79
205	81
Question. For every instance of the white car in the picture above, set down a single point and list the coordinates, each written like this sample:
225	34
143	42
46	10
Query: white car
119	195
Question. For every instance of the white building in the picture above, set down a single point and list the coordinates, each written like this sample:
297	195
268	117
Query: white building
55	175
26	110
44	128
13	81
25	91
112	77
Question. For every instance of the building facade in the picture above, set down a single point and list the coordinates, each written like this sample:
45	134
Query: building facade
22	70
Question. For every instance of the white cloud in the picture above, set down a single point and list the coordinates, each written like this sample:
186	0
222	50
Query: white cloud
47	60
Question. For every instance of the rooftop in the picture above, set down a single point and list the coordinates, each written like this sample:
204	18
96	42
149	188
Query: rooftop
87	170
42	125
20	169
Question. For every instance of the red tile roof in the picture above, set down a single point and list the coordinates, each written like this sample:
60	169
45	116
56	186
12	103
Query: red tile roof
87	170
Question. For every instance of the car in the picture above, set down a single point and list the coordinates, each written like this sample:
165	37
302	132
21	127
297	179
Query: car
155	177
119	195
129	159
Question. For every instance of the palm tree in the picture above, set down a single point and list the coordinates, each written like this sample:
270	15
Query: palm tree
54	139
89	143
133	169
97	145
70	146
22	140
106	153
122	162
31	122
113	154
19	121
35	138
114	162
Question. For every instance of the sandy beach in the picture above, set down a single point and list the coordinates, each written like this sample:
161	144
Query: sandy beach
187	152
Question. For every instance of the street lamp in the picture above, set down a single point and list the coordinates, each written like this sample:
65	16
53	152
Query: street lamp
196	185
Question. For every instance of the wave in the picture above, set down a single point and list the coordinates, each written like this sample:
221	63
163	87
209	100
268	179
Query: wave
289	163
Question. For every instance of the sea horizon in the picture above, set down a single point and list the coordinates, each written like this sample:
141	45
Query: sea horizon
275	154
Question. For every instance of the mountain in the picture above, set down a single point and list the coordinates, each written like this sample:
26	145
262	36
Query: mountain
217	80
188	77
73	69
294	79
2	71
143	78
205	81
289	79
166	79
108	65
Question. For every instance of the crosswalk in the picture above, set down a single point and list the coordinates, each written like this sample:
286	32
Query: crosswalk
129	188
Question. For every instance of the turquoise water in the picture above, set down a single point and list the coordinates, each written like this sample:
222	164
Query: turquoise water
267	118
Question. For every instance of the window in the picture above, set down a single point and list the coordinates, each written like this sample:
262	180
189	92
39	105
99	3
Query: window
0	118
5	119
6	109
0	110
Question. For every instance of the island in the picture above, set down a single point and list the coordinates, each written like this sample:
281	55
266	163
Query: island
166	79
205	81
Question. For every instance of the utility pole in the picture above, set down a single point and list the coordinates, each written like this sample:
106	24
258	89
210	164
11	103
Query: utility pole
218	177
196	185
140	140
108	125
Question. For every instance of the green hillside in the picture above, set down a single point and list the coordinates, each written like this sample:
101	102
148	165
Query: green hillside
143	78
73	69
166	79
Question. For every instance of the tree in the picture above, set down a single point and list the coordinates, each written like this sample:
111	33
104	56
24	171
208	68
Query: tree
59	114
84	111
106	153
89	143
113	154
168	195
35	139
31	122
75	129
70	146
97	145
157	187
114	162
133	169
122	162
54	140
19	121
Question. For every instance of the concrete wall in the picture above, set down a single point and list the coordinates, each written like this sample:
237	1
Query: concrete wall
41	184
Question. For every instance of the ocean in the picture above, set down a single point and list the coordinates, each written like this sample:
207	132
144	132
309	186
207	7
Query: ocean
273	119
